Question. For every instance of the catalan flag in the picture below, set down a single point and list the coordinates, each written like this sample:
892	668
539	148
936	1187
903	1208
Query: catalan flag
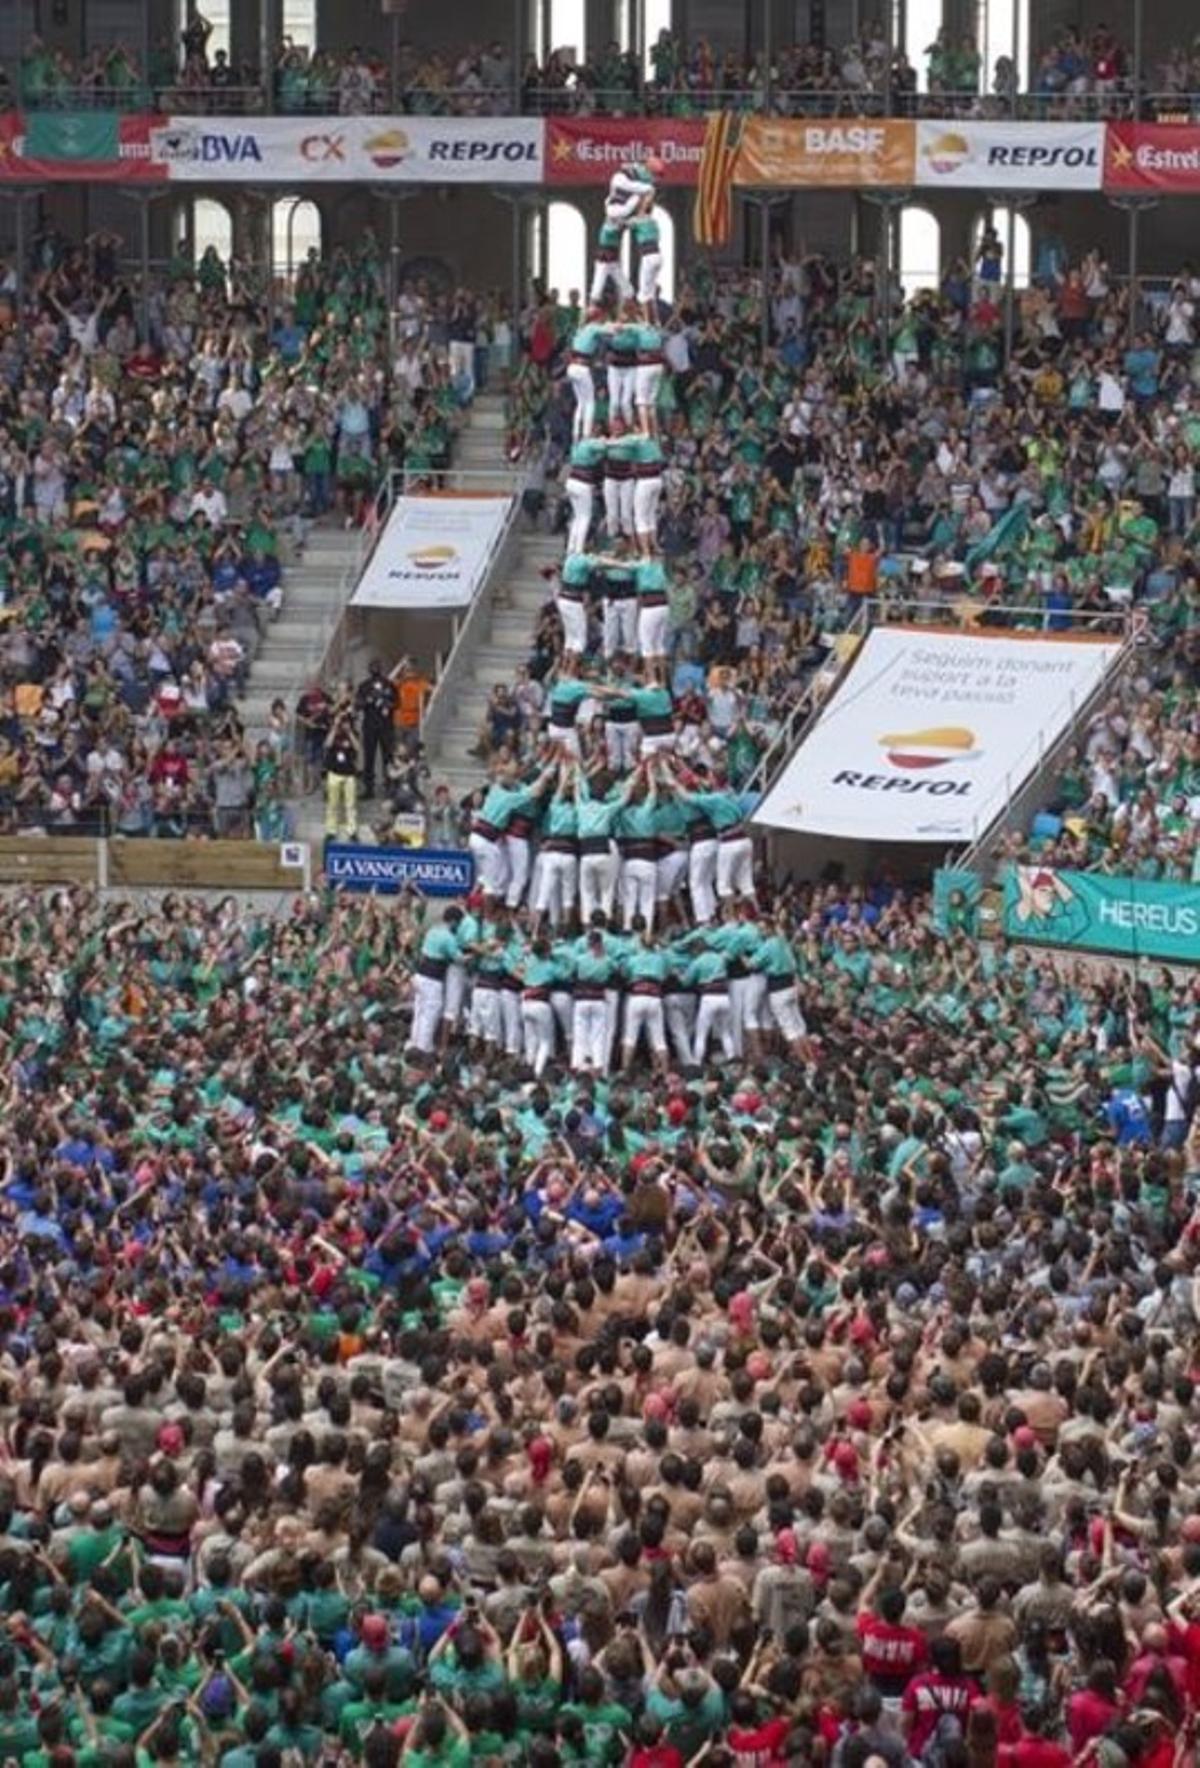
713	215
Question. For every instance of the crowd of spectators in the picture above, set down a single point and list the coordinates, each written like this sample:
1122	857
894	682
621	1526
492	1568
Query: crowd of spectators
155	482
1076	74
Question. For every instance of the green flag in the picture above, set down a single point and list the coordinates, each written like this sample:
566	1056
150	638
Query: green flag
73	135
1002	536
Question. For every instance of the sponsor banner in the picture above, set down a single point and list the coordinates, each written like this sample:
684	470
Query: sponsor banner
91	147
1126	917
1010	156
433	553
1152	157
838	152
588	150
931	733
431	871
332	150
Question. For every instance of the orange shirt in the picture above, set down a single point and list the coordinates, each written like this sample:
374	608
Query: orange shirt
410	698
862	572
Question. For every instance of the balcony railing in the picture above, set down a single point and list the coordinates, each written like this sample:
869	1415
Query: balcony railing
581	98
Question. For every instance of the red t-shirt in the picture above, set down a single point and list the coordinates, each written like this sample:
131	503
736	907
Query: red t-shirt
890	1655
762	1747
1034	1752
928	1698
1008	1719
659	1755
1089	1715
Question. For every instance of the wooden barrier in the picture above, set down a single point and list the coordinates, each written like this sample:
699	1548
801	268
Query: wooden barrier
46	860
201	865
49	859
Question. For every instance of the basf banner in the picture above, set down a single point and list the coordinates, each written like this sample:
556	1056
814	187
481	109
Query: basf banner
434	552
1153	157
377	150
829	154
1010	156
588	150
931	733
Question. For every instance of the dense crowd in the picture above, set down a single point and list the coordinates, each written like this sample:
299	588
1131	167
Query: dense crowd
155	481
1076	73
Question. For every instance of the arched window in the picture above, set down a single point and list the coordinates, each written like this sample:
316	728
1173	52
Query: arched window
1003	26
212	225
922	20
566	250
300	22
666	234
920	250
295	231
559	24
997	218
217	14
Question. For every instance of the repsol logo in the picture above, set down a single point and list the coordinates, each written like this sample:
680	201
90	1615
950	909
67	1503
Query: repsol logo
477	153
1035	157
873	782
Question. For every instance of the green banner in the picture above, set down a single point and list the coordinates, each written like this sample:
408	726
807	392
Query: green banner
1128	917
73	135
956	898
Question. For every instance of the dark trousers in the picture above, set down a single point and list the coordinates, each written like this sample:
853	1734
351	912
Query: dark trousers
378	739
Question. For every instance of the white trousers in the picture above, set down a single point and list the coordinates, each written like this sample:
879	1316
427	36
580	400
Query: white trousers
519	857
649	271
510	1020
621	385
584	388
557	877
702	878
670	874
589	1040
604	271
647	381
644	1018
681	1026
537	1020
580	495
637	890
713	1015
653	624
485	1020
646	495
597	882
573	615
784	1007
427	1002
620	624
491	865
621	741
455	995
735	868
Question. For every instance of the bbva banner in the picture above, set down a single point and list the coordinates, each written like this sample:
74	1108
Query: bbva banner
376	150
930	733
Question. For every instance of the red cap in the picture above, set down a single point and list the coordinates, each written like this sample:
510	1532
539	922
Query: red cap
677	1110
845	1459
1024	1437
858	1415
170	1439
785	1546
375	1632
439	1120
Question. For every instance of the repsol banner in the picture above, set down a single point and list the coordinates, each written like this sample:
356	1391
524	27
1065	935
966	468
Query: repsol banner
430	871
1126	917
1010	156
930	733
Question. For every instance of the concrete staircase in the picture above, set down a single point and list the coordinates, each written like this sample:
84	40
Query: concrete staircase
480	463
507	644
293	644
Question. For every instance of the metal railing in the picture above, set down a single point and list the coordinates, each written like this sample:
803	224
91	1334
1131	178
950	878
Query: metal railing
394	95
801	717
1019	804
473	624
